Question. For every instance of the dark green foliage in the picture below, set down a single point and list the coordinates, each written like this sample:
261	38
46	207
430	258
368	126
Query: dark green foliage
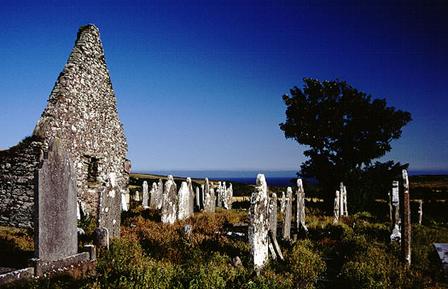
345	129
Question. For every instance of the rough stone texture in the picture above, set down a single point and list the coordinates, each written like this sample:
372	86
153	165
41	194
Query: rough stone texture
13	276
273	215
145	197
190	197
283	203
442	252
300	206
288	215
17	182
228	197
109	195
101	237
159	195
202	196
153	196
219	195
198	199
124	202
169	207
406	221
82	113
395	204
336	209
420	211
259	223
183	211
56	224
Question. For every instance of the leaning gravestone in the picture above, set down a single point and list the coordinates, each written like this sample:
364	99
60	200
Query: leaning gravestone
259	224
300	206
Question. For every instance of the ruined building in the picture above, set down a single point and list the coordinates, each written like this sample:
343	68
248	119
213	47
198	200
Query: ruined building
82	114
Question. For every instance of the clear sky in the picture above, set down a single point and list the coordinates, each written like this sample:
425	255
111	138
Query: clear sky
199	83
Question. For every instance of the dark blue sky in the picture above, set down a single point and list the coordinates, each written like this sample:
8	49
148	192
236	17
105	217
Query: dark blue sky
199	83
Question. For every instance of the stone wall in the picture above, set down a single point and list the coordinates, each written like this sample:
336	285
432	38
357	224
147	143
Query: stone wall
17	172
82	113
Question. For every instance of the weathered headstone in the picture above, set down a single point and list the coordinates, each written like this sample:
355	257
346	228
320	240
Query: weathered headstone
198	199
395	202
228	197
344	200
288	215
300	219
137	196
406	220
259	224
283	203
101	237
169	207
190	197
153	196
420	211
219	195
107	216
56	196
183	211
159	195
145	198
124	204
202	196
336	209
274	248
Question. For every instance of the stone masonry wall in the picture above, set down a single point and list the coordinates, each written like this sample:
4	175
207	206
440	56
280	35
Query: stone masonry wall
82	113
17	171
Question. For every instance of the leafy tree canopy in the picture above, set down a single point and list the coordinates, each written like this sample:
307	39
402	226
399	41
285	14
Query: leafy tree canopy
345	129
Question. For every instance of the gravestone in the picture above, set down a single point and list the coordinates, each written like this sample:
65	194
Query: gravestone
219	195
159	195
184	202
198	199
145	198
124	204
169	206
202	196
56	196
288	215
283	203
406	221
153	196
190	197
420	211
228	197
259	224
395	202
300	219
336	210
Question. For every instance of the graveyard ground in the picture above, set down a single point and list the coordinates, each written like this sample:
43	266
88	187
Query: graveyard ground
356	253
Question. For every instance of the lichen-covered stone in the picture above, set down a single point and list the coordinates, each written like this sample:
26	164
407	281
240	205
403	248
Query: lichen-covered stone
259	223
184	202
169	206
288	215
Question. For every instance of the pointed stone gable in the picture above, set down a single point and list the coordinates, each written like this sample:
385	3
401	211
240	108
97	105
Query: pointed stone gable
82	113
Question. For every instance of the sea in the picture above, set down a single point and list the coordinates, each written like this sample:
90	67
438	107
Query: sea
273	177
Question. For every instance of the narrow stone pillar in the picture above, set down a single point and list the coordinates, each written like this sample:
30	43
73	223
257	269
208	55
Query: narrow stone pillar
300	218
345	213
137	196
219	197
202	196
145	198
336	209
124	204
228	197
288	215
283	203
420	211
341	199
153	196
159	195
190	197
406	220
169	206
198	199
395	203
259	224
183	211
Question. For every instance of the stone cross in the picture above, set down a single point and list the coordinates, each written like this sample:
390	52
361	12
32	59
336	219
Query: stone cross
153	196
169	206
406	221
190	197
55	232
259	224
145	199
300	218
288	215
183	211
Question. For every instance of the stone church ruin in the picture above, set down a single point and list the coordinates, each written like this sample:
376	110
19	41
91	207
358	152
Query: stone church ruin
81	113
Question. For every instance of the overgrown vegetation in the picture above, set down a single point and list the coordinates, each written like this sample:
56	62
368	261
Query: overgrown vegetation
355	253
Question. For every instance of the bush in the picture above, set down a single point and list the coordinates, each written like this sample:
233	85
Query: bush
305	264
